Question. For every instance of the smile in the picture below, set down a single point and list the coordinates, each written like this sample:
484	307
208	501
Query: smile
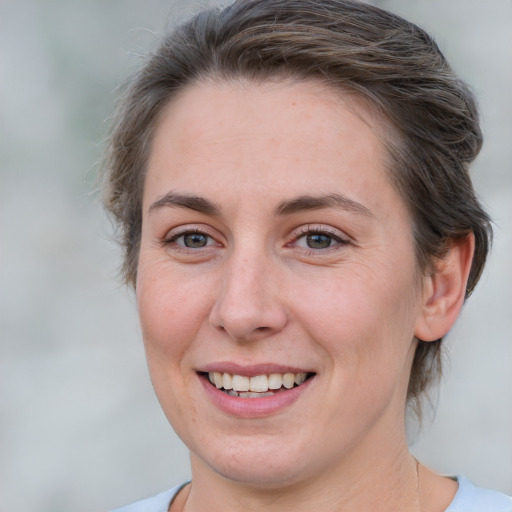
250	392
258	386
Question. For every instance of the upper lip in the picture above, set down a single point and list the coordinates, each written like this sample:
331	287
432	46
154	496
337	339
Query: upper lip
251	370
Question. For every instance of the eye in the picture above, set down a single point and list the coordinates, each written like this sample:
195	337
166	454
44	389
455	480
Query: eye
194	240
190	239
317	239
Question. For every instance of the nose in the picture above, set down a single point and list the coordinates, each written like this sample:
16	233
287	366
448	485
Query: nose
249	305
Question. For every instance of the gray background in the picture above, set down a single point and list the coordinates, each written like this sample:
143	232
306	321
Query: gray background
80	428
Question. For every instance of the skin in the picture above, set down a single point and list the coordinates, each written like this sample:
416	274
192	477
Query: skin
257	293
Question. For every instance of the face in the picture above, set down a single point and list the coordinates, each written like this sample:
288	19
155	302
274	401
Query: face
277	260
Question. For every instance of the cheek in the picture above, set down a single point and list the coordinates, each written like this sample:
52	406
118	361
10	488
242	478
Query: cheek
171	313
171	310
365	329
364	317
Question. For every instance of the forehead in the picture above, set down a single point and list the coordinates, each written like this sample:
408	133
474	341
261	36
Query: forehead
215	103
268	136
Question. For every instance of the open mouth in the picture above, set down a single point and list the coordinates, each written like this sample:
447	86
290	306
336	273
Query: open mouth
258	386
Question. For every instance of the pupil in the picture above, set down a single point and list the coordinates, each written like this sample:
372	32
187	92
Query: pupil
318	241
195	240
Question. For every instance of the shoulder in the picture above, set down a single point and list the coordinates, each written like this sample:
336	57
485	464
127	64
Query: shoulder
157	503
474	499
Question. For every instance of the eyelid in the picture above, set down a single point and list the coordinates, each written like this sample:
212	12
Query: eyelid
340	238
322	229
173	234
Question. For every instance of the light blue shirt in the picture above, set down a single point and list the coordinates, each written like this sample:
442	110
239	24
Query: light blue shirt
468	499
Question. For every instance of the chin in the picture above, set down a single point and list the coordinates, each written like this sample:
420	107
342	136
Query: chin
262	463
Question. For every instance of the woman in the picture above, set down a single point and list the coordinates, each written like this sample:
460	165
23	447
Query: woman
291	183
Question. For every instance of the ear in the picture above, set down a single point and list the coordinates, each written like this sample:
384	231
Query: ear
444	291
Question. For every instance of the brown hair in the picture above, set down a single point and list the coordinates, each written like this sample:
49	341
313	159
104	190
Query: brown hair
351	46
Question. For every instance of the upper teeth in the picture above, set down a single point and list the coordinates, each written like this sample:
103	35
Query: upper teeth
258	383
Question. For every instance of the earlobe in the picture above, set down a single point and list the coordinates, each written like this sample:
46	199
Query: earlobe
444	291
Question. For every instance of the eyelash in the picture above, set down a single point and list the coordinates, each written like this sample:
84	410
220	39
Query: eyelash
302	232
171	239
309	230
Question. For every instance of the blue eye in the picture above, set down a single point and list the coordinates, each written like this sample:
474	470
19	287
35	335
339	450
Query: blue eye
195	240
191	240
318	241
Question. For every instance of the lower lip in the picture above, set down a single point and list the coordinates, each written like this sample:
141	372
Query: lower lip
253	407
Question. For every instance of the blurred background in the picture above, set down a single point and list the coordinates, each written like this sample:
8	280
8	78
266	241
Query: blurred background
80	428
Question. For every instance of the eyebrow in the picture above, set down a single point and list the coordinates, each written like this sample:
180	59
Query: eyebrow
305	203
298	204
196	203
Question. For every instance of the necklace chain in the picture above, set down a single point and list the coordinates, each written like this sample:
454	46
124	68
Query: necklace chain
418	484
